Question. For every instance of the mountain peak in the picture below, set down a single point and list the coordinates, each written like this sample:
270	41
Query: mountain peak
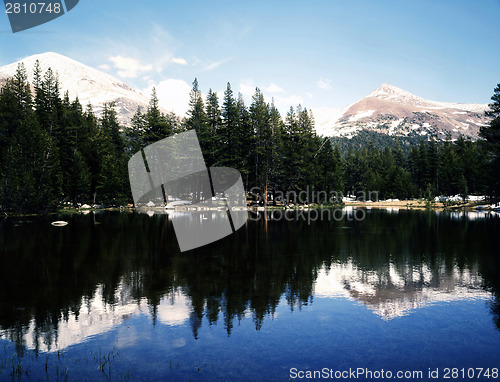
52	59
49	55
389	88
391	92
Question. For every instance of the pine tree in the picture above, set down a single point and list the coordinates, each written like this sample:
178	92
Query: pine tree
214	124
491	134
398	153
72	139
156	125
291	157
112	186
30	182
15	106
338	182
135	136
197	119
432	166
301	146
450	171
91	149
262	158
386	174
276	172
48	103
245	139
423	178
30	177
328	172
226	153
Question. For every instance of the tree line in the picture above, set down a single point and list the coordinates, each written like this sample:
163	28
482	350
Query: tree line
55	152
52	151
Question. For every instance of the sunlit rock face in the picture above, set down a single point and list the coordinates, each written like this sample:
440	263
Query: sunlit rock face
394	111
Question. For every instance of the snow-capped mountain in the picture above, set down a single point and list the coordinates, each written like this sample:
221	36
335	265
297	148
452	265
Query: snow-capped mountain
394	111
89	84
388	109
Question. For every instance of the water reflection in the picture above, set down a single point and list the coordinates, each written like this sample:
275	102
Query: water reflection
395	291
60	286
95	317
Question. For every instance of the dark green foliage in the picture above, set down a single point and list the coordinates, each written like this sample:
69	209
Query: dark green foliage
491	134
226	155
197	119
31	173
73	139
214	124
156	124
300	148
263	141
53	152
379	140
329	174
15	107
112	185
244	141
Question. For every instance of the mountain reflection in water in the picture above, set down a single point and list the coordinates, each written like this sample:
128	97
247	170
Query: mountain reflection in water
60	286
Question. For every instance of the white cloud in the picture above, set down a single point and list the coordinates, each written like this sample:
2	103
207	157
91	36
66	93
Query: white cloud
104	67
247	89
129	67
273	88
324	83
283	103
174	311
173	95
216	64
178	60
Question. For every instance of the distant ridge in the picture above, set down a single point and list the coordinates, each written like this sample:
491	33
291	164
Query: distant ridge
394	111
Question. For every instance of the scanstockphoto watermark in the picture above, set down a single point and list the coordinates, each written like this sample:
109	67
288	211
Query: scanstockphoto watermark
311	215
175	168
359	373
310	195
26	14
363	374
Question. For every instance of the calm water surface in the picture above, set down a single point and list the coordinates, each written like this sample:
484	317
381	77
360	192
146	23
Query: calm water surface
110	297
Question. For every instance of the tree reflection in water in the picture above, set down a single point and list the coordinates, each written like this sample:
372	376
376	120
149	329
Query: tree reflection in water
105	267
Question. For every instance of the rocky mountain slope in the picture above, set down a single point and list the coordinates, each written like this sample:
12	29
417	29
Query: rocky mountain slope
393	111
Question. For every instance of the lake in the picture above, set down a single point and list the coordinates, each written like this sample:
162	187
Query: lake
289	296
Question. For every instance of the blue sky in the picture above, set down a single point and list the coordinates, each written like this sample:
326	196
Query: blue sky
318	53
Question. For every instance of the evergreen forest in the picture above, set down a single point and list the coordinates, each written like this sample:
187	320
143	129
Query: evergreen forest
56	152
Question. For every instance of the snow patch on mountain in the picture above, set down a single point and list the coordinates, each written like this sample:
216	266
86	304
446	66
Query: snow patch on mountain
395	94
361	114
325	119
